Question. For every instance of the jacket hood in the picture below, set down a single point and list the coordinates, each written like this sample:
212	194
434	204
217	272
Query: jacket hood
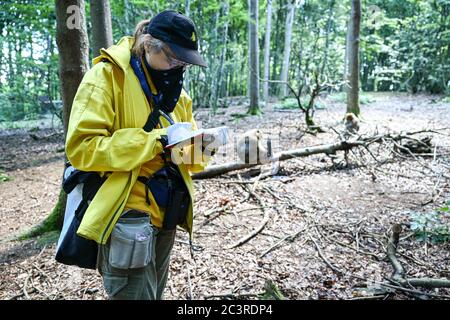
118	54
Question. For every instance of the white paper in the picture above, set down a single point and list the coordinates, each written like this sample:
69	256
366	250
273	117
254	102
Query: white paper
179	134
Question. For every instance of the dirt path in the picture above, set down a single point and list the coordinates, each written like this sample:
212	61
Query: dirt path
346	212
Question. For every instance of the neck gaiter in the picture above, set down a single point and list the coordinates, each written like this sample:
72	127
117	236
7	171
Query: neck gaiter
169	84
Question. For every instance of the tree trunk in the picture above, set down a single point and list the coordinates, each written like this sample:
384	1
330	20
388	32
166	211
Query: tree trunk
101	25
347	48
126	16
73	47
279	17
217	81
11	72
212	74
353	58
187	78
327	37
287	46
187	8
267	52
73	50
254	58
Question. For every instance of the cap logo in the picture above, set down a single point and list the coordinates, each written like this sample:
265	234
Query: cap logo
193	38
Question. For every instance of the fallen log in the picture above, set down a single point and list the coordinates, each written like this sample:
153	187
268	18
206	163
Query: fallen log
216	170
345	145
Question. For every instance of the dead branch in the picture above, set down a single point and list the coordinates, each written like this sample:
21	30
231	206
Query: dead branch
344	145
259	228
216	170
190	294
24	288
377	297
397	287
253	233
234	296
324	258
290	237
399	272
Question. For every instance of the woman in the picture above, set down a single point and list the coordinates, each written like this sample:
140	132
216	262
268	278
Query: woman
106	134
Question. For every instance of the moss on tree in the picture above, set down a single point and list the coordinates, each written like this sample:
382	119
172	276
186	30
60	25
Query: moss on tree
52	223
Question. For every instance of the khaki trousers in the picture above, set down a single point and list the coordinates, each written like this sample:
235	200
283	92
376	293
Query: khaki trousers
146	283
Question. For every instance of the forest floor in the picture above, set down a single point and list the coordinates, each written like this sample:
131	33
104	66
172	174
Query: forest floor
328	225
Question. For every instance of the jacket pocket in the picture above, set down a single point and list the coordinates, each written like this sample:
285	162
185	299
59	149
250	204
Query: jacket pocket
131	244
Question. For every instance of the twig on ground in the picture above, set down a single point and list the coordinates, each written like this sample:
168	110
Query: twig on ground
336	270
233	295
290	237
253	233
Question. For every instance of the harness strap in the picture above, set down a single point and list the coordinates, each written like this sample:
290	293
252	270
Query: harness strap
144	180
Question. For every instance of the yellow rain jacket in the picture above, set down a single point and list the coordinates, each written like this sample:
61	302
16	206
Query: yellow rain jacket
105	135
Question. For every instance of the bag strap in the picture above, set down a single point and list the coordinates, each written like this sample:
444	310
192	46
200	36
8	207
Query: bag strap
155	100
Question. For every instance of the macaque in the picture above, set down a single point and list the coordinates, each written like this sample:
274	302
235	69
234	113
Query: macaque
351	123
251	149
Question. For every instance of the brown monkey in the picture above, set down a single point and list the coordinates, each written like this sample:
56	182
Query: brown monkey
251	149
351	123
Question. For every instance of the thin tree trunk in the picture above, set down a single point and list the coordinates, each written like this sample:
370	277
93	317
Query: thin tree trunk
11	72
287	45
126	16
277	50
346	55
327	36
212	90
267	52
101	25
353	59
218	79
254	58
187	8
187	78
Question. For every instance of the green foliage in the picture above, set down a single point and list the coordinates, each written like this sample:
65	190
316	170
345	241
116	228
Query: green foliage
239	115
404	47
432	226
445	208
45	121
4	177
29	61
364	98
291	103
271	292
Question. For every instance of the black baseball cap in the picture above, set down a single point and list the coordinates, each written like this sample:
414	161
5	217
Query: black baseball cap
179	33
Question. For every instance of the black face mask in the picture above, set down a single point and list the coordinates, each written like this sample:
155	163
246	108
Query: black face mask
169	84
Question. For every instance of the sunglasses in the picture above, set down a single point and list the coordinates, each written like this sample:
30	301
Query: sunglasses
173	62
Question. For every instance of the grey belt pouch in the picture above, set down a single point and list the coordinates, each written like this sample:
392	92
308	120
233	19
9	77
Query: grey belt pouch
131	244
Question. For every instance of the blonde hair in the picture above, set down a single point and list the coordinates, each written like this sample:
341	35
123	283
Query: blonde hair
144	41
